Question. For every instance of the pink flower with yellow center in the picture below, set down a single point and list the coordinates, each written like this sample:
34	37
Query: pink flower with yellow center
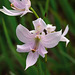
35	43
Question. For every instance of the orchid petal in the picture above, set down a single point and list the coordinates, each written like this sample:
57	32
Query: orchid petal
42	51
31	59
23	4
14	0
24	47
51	40
5	12
39	25
65	31
65	40
11	1
19	4
11	12
23	34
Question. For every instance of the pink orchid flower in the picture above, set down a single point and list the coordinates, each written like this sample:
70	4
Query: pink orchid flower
21	7
51	29
35	43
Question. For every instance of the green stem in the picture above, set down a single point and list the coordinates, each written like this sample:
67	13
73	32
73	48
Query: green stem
45	67
34	12
45	57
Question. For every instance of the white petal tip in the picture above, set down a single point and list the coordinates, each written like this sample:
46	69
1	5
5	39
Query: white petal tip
17	50
67	42
66	30
19	25
61	31
25	68
67	26
21	16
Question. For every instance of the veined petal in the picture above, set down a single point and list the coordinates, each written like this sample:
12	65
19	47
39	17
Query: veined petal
21	4
39	25
5	12
11	12
27	6
42	51
65	31
65	40
51	40
31	59
23	34
16	0
24	47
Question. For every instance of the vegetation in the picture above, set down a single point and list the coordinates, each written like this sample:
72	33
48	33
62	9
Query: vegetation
61	59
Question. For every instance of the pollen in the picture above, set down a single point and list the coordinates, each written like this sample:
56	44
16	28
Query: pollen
38	26
33	50
11	5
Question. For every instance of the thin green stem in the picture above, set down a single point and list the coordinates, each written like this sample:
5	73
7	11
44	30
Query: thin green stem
45	57
34	12
45	67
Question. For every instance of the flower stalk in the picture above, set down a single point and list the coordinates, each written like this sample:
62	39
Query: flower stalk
34	12
45	57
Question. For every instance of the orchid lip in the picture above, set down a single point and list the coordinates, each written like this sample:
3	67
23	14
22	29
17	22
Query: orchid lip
37	37
35	47
12	6
36	43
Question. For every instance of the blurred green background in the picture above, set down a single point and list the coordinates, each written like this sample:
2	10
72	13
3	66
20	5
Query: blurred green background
61	59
